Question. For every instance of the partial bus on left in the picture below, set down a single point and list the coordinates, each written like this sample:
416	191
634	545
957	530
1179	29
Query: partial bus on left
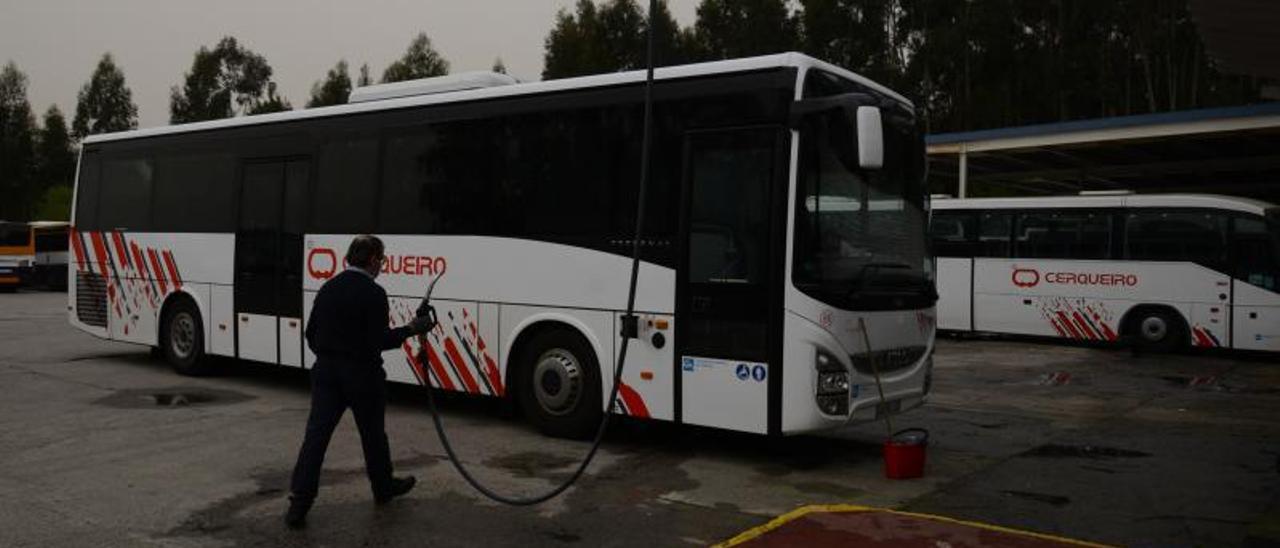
17	254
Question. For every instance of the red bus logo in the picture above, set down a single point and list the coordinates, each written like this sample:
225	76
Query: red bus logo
1025	277
320	267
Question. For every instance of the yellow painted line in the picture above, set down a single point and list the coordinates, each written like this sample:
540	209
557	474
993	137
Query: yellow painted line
779	521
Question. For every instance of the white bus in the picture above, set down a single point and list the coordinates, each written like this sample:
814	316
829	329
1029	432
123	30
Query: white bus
212	239
1163	271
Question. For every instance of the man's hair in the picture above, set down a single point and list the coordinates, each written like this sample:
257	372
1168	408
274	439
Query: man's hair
364	249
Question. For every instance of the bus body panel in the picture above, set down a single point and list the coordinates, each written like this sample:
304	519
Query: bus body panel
812	326
1088	300
955	293
1256	316
472	348
141	271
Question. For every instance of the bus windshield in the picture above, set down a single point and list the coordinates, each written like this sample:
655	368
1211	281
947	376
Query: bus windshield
860	234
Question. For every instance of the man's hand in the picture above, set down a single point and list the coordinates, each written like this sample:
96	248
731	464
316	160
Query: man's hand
422	324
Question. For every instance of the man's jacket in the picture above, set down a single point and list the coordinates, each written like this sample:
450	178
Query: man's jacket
350	324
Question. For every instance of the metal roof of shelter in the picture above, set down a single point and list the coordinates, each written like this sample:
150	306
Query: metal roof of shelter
1231	150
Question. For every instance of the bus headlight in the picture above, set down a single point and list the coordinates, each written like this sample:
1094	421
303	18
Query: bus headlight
833	384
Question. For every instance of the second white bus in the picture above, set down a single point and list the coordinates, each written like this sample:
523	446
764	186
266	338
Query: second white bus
1162	271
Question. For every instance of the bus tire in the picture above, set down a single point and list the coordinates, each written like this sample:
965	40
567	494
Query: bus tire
1157	329
558	387
182	338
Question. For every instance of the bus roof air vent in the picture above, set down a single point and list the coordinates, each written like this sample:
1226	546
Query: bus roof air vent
1106	192
427	86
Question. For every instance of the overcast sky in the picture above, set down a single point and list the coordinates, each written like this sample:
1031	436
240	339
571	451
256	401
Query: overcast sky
57	43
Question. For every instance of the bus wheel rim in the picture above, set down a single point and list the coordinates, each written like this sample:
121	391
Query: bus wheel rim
557	381
182	335
1154	328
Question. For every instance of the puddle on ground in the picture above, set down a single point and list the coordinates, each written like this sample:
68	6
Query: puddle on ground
171	398
532	464
1053	500
1054	450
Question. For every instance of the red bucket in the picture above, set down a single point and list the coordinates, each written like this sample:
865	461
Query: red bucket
904	453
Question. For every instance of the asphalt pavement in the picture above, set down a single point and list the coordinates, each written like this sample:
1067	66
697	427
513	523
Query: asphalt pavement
102	445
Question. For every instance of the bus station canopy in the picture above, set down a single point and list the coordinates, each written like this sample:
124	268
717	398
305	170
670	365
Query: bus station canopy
1231	150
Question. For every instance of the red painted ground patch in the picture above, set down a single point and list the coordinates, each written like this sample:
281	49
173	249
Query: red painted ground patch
860	526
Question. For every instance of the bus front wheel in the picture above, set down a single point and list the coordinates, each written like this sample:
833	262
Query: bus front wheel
1158	330
182	339
559	385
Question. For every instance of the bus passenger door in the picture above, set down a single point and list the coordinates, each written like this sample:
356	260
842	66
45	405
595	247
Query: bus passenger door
726	279
1256	287
268	279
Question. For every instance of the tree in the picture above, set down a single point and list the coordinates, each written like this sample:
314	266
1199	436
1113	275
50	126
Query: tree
105	103
854	34
55	158
610	37
271	102
54	204
420	60
365	79
498	66
334	89
742	28
224	81
17	146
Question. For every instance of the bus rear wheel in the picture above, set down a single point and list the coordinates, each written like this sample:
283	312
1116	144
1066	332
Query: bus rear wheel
559	385
182	339
1158	330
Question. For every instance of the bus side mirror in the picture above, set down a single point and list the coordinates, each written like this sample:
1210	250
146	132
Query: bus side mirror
870	137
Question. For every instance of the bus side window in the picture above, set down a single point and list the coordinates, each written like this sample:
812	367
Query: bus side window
1070	235
1255	253
126	204
87	186
993	234
194	193
1194	236
953	233
346	187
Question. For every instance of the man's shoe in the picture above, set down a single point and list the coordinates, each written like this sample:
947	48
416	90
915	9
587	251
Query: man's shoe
296	516
399	486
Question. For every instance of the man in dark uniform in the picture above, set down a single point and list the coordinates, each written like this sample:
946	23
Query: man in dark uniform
348	330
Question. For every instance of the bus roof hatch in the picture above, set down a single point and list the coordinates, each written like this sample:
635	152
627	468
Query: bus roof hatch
427	86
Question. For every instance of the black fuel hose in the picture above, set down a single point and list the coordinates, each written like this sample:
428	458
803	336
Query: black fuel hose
622	354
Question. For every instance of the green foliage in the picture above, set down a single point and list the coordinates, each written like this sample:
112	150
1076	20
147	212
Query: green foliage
998	63
854	34
608	38
224	81
54	204
271	102
741	28
420	60
334	89
55	157
105	103
968	64
17	146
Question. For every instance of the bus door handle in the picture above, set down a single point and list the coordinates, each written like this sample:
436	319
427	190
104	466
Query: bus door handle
1026	301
